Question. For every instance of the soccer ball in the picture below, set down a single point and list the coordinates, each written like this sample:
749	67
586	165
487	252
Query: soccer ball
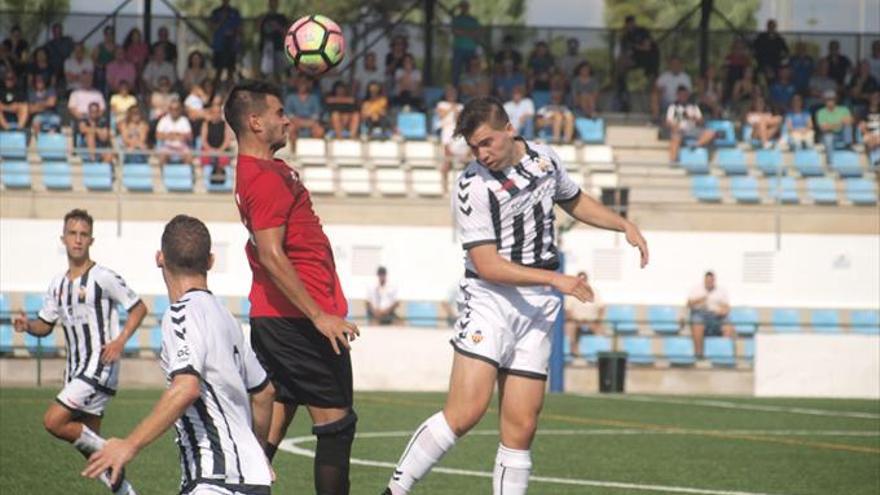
314	44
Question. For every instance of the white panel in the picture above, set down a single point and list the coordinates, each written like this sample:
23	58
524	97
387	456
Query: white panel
310	149
597	154
384	153
391	181
420	153
427	182
347	152
319	180
567	153
354	180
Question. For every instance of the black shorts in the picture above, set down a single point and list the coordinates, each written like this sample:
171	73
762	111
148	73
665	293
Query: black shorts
301	363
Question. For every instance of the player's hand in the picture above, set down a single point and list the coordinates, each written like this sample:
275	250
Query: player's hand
112	350
573	286
20	322
114	456
337	330
634	238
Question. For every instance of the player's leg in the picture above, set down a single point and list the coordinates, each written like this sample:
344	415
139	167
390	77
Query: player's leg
282	415
698	331
674	144
520	399
335	428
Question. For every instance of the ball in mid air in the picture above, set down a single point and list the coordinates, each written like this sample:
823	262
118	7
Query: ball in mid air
314	44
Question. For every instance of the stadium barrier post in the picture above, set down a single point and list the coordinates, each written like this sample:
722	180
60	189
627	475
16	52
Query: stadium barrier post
40	362
557	351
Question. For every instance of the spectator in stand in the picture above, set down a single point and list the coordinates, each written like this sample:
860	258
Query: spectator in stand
408	84
121	101
521	111
637	51
7	62
874	59
584	91
136	49
507	79
709	306
802	67
174	135
95	131
765	125
77	67
466	32
82	97
304	110
41	68
782	90
13	103
508	55
169	48
799	124
133	130
374	110
474	82
666	87
685	121
196	71
394	58
216	142
42	100
583	317
16	44
770	50
861	86
835	121
709	93
160	99
572	59
541	66
273	26
558	118
839	65
345	119
447	111
382	300
59	48
156	69
743	91
367	73
225	23
870	128
196	103
735	63
120	69
103	53
820	84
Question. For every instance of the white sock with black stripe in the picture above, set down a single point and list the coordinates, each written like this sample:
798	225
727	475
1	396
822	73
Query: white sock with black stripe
512	468
90	442
429	444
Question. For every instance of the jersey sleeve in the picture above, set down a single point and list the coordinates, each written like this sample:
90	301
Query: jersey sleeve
255	377
183	343
49	311
473	209
118	290
269	201
566	188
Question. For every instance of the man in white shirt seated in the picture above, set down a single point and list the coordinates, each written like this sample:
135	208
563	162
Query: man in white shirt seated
82	97
521	111
174	135
685	121
78	66
583	317
709	306
667	85
382	300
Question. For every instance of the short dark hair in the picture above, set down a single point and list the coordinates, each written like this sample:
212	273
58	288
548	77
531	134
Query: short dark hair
479	111
247	96
79	214
186	245
381	271
709	273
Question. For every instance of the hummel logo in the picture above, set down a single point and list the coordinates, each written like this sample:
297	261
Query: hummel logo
464	185
180	334
466	211
463	197
178	321
470	174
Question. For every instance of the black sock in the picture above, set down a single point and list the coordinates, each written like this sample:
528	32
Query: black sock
271	448
332	455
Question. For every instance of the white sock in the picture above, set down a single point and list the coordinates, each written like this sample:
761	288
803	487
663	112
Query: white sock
90	442
428	445
512	468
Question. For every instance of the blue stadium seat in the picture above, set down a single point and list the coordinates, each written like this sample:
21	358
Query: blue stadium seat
6	331
56	175
679	350
809	163
719	351
622	318
865	321
177	177
663	319
825	321
155	343
590	131
768	161
748	349
52	146
784	188
432	95
33	303
705	188
412	125
38	345
226	186
13	145
422	314
744	320
540	98
725	133
747	137
732	161
638	350
245	305
97	176
159	306
861	191
874	159
786	320
822	190
592	345
745	189
137	177
694	160
846	163
16	174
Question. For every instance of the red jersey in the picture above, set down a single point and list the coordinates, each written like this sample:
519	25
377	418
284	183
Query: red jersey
269	194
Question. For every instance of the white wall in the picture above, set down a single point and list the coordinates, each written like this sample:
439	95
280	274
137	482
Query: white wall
426	263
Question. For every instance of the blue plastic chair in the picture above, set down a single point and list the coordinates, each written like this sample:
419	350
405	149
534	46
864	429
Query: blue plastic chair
725	133
638	350
227	184
155	341
160	306
52	146
663	320
846	163
16	174
422	314
679	351
622	318
745	190
865	321
694	160
590	131
861	192
412	125
825	321
97	176
592	345
6	331
809	163
137	177
177	177
784	188
744	320
33	303
720	351
732	161
786	320
822	190
705	188
768	161
13	145
540	98
57	176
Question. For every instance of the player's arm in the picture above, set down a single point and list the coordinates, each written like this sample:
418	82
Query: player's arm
184	390
492	267
589	211
114	348
270	253
37	327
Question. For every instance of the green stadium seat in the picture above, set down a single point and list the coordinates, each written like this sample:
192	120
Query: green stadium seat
622	318
422	314
638	350
785	320
679	351
825	320
720	351
592	345
865	321
732	161
664	320
744	320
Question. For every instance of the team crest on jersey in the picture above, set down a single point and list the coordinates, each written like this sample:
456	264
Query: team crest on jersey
477	336
81	295
543	164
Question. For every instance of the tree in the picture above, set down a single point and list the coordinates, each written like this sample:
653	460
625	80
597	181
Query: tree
33	16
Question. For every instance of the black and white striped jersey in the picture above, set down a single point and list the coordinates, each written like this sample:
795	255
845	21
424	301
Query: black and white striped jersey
513	208
217	444
87	309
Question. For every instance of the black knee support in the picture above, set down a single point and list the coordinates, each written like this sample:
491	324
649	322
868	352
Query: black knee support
332	455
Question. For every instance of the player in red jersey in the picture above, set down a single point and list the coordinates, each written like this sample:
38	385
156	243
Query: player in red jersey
298	330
